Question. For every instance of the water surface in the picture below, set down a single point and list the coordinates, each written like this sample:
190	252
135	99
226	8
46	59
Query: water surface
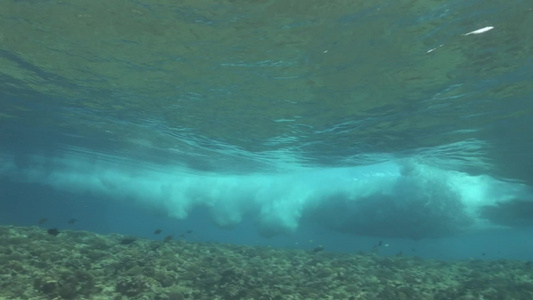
407	119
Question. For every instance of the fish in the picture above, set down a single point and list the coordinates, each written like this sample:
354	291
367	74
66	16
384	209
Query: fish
127	241
318	249
168	238
53	231
158	231
42	220
72	221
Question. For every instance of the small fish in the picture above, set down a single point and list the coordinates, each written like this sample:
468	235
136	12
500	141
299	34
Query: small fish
158	231
72	221
318	249
53	231
380	243
42	220
168	238
127	241
189	231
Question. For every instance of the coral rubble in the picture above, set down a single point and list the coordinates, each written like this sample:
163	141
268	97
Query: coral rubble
84	265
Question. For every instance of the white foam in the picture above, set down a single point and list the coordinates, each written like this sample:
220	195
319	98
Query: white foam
277	202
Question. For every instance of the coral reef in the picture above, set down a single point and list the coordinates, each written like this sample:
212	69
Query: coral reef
84	265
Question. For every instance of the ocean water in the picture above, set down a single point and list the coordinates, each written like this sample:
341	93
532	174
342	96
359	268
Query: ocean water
293	124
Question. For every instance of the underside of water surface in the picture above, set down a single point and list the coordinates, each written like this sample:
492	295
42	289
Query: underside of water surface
397	119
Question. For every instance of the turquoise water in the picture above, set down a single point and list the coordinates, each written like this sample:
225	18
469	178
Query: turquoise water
293	124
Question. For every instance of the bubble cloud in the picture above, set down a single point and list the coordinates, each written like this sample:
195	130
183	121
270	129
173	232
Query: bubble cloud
400	199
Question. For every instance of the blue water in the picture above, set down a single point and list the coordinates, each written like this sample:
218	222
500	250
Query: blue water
295	125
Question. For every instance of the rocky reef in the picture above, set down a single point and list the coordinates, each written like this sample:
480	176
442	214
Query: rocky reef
35	264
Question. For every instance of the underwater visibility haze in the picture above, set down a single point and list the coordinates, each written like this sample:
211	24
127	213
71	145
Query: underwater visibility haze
378	120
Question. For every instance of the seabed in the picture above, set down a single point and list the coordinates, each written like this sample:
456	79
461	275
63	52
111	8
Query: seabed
83	265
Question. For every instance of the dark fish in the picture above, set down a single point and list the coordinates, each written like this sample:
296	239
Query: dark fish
318	249
72	221
158	231
399	254
53	231
168	238
380	243
127	241
42	220
189	231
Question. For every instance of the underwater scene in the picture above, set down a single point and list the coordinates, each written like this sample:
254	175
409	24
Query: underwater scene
277	149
